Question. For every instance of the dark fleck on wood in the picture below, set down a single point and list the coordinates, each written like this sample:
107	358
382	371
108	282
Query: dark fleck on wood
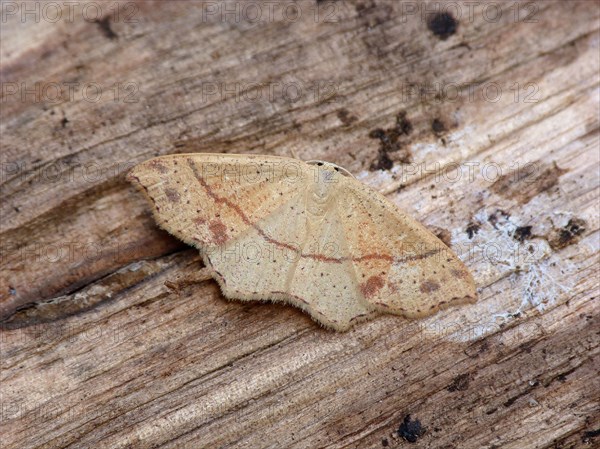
472	229
568	234
528	181
411	430
460	383
522	233
443	25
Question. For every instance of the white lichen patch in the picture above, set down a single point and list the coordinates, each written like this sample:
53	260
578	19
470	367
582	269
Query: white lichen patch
380	178
517	271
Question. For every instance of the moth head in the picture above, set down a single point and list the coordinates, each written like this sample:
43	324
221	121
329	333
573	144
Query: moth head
330	167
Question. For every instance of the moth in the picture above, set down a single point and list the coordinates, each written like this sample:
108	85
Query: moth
303	233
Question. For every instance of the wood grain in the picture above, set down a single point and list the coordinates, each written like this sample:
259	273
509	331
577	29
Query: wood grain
486	131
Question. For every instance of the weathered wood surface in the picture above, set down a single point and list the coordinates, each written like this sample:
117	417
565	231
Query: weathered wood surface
97	352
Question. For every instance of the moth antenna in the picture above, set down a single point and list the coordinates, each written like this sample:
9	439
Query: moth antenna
338	168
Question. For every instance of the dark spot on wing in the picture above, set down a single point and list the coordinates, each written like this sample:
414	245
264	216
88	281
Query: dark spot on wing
218	231
429	286
158	166
172	195
372	286
459	273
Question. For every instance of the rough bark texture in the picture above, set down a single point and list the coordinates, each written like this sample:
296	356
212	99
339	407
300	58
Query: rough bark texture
484	127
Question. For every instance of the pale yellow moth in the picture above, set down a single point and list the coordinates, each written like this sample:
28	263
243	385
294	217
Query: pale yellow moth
307	234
